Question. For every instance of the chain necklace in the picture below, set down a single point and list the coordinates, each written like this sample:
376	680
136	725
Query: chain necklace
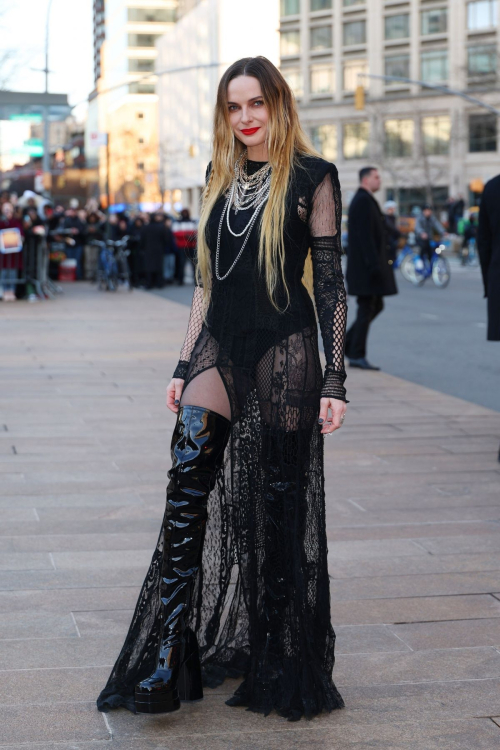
249	189
245	192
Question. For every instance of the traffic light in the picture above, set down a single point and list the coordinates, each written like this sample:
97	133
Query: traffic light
359	97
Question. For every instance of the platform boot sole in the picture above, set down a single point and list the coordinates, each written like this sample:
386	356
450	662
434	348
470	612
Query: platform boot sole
157	703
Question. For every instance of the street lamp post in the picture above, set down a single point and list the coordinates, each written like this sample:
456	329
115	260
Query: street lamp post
46	128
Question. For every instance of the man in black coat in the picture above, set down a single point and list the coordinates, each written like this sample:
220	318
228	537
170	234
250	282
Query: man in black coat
370	273
488	247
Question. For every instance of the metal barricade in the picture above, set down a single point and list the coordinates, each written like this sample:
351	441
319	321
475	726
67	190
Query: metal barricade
31	265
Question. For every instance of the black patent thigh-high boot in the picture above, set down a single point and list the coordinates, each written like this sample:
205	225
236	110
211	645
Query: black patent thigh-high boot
198	442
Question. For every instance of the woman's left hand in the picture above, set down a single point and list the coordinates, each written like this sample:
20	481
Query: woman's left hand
331	413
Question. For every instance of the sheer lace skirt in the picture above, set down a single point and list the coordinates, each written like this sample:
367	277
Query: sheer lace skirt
261	604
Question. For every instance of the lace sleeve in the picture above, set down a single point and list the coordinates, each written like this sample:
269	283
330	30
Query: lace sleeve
195	320
325	216
193	331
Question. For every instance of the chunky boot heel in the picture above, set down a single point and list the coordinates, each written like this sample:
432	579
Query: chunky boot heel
198	442
189	684
149	703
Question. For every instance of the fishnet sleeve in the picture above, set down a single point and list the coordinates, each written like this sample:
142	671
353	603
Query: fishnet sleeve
193	331
195	320
325	216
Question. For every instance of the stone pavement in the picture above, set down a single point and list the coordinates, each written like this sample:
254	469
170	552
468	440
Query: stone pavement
413	496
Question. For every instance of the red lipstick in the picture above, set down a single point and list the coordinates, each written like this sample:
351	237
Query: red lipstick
250	131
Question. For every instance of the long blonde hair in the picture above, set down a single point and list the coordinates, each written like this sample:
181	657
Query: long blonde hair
286	141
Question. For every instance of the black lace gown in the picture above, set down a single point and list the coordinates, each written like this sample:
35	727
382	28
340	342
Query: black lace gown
261	602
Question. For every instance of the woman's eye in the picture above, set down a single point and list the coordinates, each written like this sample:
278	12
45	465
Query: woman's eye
232	107
259	102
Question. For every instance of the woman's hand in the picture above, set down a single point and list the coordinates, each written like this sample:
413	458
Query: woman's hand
331	412
174	390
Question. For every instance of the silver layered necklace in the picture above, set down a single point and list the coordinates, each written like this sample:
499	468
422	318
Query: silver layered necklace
245	192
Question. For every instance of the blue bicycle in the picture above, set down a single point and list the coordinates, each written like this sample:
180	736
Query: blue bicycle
469	255
403	253
417	269
113	268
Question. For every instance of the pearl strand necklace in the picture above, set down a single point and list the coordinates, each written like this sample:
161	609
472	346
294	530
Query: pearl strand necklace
249	227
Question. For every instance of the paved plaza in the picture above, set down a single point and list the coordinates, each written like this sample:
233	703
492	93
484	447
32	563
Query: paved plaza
413	520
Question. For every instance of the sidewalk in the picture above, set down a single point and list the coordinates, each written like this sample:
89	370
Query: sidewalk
413	511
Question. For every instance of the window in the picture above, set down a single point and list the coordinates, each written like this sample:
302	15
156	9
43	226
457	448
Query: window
321	4
321	79
321	37
397	65
355	32
398	137
351	70
153	15
482	133
434	66
290	43
482	60
140	66
140	165
355	139
140	115
141	88
293	77
409	198
433	21
436	132
289	7
324	138
397	27
481	14
142	40
348	3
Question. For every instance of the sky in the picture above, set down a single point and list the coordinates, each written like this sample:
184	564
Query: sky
22	30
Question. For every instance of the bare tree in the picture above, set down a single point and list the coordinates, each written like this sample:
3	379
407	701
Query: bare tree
420	169
10	58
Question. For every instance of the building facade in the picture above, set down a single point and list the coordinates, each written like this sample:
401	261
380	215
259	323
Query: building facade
124	105
192	56
427	145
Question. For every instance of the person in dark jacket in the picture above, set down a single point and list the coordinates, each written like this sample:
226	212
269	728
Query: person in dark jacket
136	246
426	227
488	246
74	223
391	229
156	240
10	263
370	273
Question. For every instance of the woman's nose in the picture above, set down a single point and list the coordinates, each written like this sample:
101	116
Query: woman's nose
246	115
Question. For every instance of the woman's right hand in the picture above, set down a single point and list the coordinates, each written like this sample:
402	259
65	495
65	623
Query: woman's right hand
174	390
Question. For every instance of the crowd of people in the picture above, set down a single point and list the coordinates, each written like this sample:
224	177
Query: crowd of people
159	243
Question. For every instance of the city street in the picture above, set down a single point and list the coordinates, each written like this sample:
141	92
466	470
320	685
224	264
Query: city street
413	521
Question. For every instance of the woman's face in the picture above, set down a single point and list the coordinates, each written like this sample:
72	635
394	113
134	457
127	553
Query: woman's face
248	114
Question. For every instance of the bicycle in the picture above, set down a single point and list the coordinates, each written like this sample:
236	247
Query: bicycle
403	253
417	269
468	253
113	267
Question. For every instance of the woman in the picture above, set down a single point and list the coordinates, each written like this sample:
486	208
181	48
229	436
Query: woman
10	263
247	449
